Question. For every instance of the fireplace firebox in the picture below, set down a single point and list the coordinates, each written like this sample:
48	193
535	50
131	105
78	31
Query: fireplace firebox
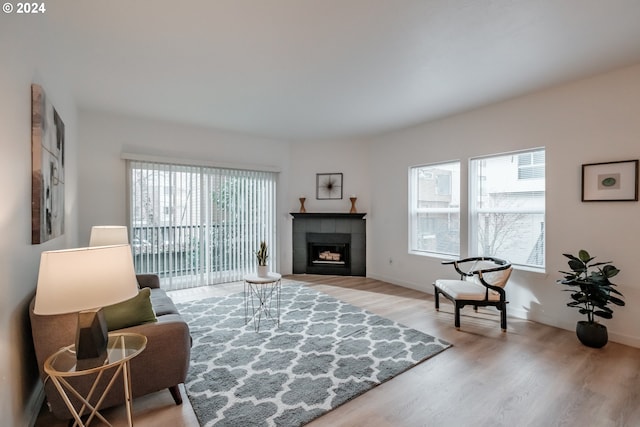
328	253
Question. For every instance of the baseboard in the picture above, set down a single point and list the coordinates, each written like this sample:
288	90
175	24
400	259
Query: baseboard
411	285
35	402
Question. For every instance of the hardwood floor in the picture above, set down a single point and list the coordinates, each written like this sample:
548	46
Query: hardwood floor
533	375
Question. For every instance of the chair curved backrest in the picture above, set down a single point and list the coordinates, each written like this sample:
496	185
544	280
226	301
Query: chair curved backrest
487	271
492	273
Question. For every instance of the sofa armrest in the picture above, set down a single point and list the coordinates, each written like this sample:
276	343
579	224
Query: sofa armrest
165	361
148	281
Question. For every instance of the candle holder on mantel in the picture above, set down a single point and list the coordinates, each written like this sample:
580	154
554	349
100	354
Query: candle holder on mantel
353	204
302	209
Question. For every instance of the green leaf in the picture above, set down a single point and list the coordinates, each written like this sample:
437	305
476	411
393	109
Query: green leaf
610	270
579	298
615	291
616	301
577	265
584	256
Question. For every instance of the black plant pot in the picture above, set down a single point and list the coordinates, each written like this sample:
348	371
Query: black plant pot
592	334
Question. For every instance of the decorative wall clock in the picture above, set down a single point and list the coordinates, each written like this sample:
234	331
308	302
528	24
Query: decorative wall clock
328	186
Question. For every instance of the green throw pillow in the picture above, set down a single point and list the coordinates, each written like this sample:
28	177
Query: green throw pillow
132	312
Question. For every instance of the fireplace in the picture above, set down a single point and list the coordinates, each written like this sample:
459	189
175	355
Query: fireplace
329	243
329	253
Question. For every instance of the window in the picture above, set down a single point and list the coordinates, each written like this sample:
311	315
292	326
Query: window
199	225
507	207
435	208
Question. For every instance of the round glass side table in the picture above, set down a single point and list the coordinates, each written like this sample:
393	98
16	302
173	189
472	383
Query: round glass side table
63	364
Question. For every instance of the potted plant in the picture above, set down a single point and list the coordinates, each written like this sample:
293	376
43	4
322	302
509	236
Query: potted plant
591	294
262	255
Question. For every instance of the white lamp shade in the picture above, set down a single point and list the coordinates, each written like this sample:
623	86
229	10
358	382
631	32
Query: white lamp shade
106	235
84	278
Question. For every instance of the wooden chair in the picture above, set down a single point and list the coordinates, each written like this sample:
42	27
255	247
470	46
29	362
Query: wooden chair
481	284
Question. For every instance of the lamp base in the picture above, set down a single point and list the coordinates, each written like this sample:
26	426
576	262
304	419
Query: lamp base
91	337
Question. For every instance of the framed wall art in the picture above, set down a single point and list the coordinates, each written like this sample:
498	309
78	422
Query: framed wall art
328	186
610	181
47	169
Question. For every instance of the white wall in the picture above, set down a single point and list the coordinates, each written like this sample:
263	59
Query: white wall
349	157
28	57
588	121
105	136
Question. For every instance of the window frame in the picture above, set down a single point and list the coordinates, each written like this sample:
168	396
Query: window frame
473	211
415	210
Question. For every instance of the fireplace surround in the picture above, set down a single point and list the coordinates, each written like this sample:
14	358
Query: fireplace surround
329	243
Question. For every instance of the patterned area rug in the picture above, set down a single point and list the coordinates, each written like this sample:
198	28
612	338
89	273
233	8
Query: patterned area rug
324	353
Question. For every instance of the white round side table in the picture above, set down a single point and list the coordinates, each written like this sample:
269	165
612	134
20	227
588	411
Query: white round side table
263	294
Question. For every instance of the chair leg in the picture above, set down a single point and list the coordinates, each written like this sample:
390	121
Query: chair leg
457	316
437	298
503	318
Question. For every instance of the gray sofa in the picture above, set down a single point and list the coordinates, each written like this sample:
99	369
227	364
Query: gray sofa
163	363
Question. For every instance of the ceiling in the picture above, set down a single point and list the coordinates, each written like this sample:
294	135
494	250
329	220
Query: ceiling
305	70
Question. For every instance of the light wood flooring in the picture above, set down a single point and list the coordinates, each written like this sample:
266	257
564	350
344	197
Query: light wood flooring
532	375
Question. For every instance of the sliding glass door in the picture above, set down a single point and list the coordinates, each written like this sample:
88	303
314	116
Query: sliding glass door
196	225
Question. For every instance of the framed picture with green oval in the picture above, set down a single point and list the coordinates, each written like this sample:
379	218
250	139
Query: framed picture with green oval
610	181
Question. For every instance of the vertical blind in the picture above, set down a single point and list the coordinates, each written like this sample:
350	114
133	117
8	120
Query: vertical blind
195	225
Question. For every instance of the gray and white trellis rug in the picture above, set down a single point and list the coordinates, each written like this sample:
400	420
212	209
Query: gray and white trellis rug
324	353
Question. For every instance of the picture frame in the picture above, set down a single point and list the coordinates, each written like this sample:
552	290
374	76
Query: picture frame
329	186
47	168
610	181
